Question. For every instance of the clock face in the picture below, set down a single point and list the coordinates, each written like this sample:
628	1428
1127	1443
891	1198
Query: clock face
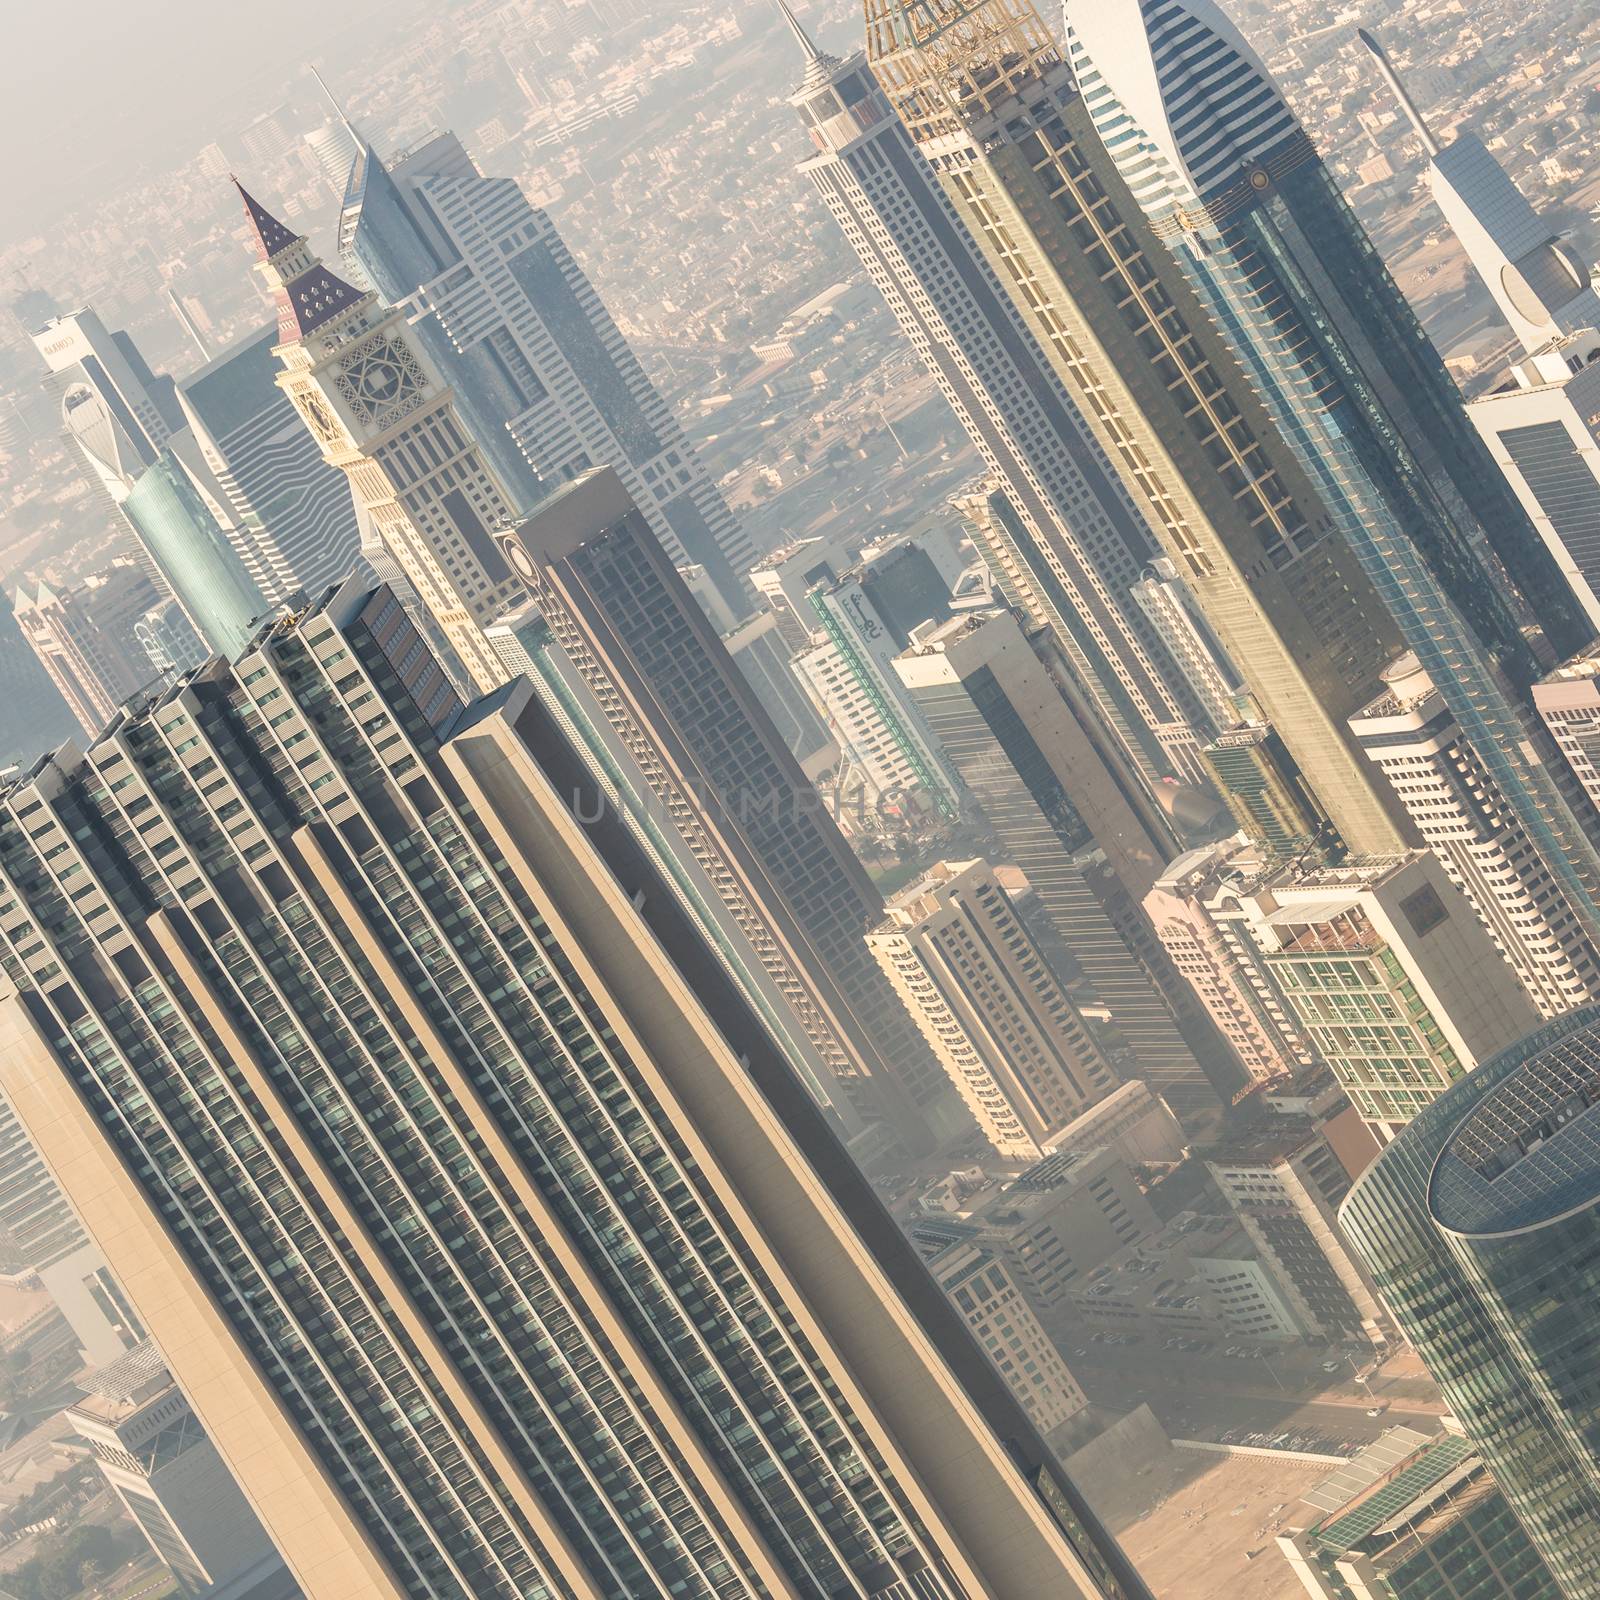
381	380
322	424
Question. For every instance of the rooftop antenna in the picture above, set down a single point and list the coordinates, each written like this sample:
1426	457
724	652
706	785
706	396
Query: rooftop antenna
338	110
1398	90
807	43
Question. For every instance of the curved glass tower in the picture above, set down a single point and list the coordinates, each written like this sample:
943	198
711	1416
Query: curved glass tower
1481	1226
195	556
1231	182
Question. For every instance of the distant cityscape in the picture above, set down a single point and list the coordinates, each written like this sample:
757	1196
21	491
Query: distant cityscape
804	801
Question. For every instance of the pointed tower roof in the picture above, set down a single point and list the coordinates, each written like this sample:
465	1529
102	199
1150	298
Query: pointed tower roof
1398	89
272	237
315	297
307	293
819	64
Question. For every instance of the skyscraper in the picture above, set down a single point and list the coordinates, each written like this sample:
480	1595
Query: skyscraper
627	623
991	1007
1412	737
1478	1225
293	517
1083	833
1215	157
1390	976
1150	378
488	1235
1539	426
1568	700
1070	540
542	375
1169	603
850	670
202	565
1538	282
381	413
1234	188
86	639
761	652
113	406
176	1490
1197	910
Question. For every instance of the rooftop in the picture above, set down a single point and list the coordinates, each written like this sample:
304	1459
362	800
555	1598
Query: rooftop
1390	1486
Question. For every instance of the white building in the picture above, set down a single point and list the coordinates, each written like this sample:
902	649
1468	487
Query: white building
1410	734
1543	429
174	1486
1169	603
1569	701
989	1004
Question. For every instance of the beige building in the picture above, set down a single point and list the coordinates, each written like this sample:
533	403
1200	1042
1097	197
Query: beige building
382	415
1389	976
1067	809
1283	1178
1411	736
989	1004
472	1208
1193	908
1568	699
977	1284
1060	1220
155	1456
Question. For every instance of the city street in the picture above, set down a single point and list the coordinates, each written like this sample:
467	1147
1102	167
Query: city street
1203	1398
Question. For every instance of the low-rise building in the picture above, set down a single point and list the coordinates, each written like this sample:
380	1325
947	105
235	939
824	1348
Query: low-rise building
1414	1518
1060	1220
175	1487
976	1282
1201	1277
1283	1179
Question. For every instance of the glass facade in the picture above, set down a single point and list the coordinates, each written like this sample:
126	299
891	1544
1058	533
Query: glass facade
1363	402
632	630
1479	1225
1370	1025
442	1197
195	556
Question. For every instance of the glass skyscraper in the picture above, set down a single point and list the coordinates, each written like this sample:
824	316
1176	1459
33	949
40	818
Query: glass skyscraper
490	1237
1481	1227
1228	177
542	375
202	567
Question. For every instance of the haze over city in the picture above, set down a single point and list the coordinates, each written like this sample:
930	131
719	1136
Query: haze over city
800	798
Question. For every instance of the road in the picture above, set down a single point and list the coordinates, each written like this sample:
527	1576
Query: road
1205	1399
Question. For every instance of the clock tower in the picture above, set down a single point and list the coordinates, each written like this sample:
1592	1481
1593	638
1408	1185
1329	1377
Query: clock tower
383	416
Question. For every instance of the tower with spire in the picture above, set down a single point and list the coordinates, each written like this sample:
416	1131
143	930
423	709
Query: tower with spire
381	414
1539	283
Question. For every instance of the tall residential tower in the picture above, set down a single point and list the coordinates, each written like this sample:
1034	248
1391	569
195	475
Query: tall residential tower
1069	542
496	1248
